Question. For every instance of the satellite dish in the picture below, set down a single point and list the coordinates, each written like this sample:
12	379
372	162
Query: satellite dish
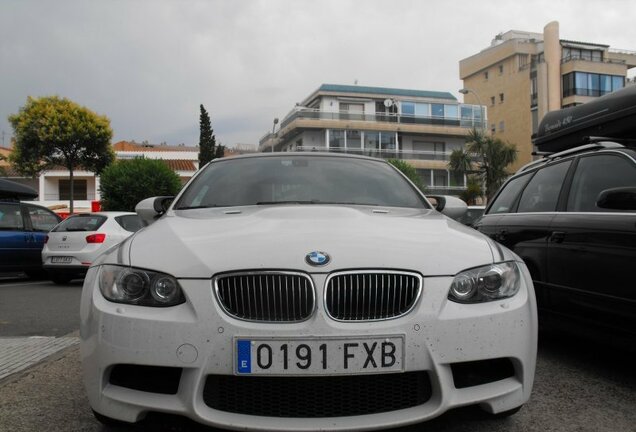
388	103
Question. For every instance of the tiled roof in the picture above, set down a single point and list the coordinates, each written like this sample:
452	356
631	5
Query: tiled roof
133	146
385	91
180	164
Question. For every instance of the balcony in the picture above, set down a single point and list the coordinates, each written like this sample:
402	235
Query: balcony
382	153
468	122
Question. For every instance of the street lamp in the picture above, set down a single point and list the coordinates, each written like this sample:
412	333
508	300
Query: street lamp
273	128
465	91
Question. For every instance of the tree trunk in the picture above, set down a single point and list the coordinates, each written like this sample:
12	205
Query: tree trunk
70	170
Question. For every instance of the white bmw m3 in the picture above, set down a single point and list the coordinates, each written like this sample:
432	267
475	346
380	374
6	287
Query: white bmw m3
305	291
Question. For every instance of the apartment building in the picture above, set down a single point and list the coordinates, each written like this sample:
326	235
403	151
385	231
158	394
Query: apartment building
523	75
421	127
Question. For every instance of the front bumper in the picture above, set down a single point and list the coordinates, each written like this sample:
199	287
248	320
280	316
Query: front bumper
197	338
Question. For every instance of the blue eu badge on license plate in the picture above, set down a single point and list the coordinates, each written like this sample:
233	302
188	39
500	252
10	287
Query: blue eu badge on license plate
244	358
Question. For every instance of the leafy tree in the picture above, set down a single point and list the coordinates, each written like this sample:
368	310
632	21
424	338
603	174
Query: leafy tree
126	182
473	190
409	171
207	141
53	131
486	158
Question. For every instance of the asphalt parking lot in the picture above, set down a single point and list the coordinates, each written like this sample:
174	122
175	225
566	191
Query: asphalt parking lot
579	386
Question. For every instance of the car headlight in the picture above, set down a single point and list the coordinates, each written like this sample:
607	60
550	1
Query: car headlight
487	283
139	287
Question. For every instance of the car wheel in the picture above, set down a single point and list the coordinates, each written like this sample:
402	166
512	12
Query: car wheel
60	279
36	274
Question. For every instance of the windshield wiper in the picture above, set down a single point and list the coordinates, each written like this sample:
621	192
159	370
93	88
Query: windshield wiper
313	202
202	206
289	202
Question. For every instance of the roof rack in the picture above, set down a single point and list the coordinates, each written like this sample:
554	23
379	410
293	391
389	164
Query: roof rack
598	139
597	143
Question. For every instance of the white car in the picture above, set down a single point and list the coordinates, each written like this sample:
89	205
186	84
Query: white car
72	245
301	292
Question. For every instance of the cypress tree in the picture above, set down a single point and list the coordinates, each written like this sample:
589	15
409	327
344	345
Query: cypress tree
207	141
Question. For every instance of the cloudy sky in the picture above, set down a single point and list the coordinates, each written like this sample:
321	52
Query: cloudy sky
148	65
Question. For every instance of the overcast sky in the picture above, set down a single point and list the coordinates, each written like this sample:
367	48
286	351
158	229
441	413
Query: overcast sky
147	65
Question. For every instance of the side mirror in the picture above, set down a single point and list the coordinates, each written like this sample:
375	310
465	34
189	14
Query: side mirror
450	206
623	198
151	208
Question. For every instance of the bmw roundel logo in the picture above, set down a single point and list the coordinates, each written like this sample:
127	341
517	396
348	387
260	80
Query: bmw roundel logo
317	258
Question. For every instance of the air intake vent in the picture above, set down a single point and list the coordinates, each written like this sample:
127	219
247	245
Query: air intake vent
371	295
266	296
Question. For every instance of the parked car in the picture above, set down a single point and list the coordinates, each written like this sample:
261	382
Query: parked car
74	244
572	218
305	291
23	229
472	215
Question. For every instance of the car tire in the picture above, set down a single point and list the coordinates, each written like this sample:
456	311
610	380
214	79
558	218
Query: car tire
60	279
36	274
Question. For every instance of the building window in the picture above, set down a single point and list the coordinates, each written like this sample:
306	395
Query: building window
486	75
590	84
492	100
371	140
568	54
336	139
354	139
434	150
79	189
501	126
501	97
500	69
534	92
440	178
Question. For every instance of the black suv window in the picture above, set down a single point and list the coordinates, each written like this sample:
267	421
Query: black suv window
593	175
10	217
506	198
542	193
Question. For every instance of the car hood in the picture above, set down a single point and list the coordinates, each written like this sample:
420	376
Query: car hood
200	243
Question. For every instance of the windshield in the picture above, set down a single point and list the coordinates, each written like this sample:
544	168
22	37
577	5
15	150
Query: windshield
299	180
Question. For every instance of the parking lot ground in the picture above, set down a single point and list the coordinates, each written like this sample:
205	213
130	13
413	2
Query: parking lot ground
19	353
578	387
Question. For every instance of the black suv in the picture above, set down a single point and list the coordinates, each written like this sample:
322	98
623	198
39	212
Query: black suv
572	218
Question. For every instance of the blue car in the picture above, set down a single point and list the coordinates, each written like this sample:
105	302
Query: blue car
23	230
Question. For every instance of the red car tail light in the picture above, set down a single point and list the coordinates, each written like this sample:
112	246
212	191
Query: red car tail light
96	238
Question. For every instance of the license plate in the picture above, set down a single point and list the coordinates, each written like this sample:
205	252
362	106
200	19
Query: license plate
333	356
62	260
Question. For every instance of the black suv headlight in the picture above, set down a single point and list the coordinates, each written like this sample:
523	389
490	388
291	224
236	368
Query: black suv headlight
139	287
487	283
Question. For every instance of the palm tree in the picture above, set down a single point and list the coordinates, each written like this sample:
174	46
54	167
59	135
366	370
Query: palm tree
485	157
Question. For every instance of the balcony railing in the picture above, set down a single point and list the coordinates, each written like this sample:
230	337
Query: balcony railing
382	153
312	113
317	114
576	57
